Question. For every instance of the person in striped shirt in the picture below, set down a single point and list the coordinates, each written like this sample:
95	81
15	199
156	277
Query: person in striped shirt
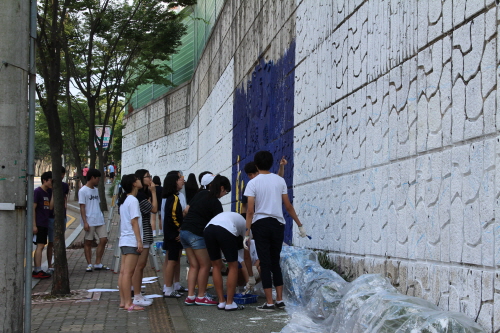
148	204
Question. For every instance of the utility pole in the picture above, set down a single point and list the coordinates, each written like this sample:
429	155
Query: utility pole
14	34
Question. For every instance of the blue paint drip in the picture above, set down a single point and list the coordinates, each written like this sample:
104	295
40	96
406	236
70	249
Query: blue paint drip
263	119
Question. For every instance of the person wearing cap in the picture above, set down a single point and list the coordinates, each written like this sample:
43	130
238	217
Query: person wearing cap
206	180
204	206
200	177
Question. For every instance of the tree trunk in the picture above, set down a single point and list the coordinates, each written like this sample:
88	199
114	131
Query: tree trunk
60	278
101	188
77	188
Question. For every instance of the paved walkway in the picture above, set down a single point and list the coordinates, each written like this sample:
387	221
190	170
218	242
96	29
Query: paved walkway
99	312
94	312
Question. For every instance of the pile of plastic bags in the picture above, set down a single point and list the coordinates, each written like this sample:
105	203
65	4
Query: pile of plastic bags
319	300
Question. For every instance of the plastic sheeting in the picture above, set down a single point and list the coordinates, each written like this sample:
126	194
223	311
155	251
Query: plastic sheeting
319	300
307	285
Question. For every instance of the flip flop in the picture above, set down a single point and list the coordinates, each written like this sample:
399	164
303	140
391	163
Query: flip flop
135	308
103	268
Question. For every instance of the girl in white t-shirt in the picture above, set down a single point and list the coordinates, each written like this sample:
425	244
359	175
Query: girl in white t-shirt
130	238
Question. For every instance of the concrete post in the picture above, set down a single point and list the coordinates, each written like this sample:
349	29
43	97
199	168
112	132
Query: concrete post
14	34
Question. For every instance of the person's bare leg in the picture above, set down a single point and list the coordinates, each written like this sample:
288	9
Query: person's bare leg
37	258
169	280
204	270
139	269
232	280
279	293
50	252
177	269
193	271
244	274
269	295
164	268
153	223
100	250
217	277
128	270
87	248
120	283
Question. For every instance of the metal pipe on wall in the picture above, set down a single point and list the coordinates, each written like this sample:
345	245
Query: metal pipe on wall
31	169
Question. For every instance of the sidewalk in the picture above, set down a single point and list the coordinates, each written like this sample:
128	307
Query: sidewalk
95	312
98	312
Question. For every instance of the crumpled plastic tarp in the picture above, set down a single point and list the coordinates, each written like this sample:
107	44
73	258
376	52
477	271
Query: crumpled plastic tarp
319	300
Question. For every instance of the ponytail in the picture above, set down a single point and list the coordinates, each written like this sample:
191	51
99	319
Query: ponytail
216	184
127	184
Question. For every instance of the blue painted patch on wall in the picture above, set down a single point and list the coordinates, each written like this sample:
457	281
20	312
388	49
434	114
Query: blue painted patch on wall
263	119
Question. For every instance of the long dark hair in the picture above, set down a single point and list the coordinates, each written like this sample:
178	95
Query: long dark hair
191	187
215	185
140	174
170	185
127	184
157	180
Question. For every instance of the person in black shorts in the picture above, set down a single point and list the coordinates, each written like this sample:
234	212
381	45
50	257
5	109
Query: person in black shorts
172	222
225	233
42	207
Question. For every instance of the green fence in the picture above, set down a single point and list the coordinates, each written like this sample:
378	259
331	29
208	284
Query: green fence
200	21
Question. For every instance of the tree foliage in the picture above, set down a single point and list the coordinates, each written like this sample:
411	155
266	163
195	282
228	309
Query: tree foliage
111	49
98	52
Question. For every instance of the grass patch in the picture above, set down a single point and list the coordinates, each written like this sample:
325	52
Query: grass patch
327	263
111	189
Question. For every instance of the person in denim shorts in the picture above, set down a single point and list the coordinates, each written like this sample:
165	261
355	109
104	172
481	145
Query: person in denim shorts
204	206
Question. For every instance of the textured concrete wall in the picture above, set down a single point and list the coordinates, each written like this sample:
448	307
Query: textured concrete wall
396	148
394	138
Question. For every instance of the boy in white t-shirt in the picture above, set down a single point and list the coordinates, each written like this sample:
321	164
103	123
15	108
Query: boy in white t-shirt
92	219
266	193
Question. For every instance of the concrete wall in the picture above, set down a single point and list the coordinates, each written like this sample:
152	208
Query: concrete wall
387	112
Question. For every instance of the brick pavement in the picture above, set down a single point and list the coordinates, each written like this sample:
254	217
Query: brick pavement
97	312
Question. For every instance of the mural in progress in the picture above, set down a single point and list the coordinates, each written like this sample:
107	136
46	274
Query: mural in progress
263	119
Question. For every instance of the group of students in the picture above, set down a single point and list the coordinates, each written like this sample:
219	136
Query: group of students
91	218
201	228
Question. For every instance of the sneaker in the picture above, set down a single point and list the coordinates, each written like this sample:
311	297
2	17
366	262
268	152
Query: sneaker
205	301
89	269
142	302
189	301
40	275
265	307
173	294
182	289
209	295
50	270
280	305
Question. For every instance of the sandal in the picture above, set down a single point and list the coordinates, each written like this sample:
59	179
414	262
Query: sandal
134	308
104	268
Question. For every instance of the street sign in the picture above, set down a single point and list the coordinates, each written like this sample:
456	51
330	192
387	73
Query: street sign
105	139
